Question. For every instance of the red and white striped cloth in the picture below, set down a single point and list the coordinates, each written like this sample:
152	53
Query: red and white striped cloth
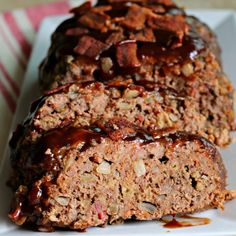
18	29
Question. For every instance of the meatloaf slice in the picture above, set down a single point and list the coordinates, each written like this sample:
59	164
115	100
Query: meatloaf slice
82	177
150	107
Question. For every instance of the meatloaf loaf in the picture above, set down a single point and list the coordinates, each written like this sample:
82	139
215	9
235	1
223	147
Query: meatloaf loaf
150	43
97	175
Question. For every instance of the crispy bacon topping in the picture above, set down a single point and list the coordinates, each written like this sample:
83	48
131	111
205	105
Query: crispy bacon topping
89	46
173	24
122	29
115	37
126	53
136	17
94	20
144	35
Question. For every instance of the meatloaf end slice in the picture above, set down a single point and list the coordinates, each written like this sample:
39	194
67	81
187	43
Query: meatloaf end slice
84	177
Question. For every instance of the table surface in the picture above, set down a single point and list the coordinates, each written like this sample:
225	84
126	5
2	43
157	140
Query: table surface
11	4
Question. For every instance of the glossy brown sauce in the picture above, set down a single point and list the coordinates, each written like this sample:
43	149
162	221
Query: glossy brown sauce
192	46
185	221
48	149
84	138
35	195
16	210
140	135
72	136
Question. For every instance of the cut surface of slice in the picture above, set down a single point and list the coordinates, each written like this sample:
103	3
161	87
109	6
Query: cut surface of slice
83	177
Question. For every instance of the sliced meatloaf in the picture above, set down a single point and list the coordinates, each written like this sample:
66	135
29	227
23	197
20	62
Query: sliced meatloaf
97	175
150	107
152	44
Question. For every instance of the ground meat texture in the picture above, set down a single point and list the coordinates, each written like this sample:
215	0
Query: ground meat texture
132	93
83	177
155	109
162	48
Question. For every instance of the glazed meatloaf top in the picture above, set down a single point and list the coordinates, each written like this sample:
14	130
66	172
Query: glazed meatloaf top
128	39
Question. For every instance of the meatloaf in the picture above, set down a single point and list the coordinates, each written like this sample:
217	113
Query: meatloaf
103	174
153	108
149	43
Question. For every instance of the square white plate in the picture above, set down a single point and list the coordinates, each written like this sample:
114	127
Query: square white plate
222	222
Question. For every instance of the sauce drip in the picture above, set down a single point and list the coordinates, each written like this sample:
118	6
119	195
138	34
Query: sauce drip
67	137
72	136
54	140
185	221
49	148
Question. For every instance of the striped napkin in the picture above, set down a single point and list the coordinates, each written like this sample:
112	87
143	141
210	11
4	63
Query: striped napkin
18	30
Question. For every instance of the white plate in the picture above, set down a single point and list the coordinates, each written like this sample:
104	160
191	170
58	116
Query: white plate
223	223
